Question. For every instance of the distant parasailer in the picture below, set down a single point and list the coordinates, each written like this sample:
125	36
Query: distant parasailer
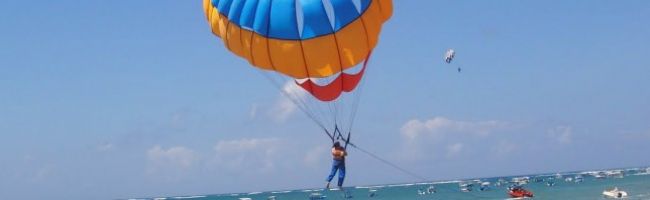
449	56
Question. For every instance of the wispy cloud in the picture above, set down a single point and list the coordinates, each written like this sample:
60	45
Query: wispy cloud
316	155
504	148
176	158
561	134
258	154
104	147
454	149
438	126
253	112
285	107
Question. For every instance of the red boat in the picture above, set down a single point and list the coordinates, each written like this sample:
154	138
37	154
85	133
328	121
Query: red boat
519	192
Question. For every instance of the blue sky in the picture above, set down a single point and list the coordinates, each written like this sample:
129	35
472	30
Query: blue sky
108	99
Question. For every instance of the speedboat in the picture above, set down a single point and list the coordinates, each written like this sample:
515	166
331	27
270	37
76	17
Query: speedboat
615	193
372	193
550	183
485	186
431	189
520	180
614	173
578	178
316	196
465	187
519	192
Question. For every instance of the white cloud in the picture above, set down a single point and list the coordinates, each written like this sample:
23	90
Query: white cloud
454	149
249	154
561	133
253	112
105	147
285	107
173	158
504	148
439	126
316	155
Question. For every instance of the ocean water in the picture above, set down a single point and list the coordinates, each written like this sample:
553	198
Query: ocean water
636	182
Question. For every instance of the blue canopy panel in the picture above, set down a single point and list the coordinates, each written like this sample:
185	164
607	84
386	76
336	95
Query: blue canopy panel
278	19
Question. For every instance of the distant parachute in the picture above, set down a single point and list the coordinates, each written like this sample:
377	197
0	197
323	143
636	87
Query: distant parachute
449	55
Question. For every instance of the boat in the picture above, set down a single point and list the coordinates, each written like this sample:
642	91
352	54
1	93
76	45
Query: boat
316	196
568	179
372	193
485	186
578	178
519	192
615	193
465	187
550	183
614	174
521	180
431	189
271	198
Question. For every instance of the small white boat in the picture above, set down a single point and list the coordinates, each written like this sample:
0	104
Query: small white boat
615	193
316	196
568	179
485	186
578	178
614	174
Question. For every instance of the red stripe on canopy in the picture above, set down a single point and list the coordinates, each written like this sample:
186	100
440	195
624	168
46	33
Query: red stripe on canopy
343	83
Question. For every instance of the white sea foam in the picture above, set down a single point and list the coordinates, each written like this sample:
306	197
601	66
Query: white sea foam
188	197
280	192
401	185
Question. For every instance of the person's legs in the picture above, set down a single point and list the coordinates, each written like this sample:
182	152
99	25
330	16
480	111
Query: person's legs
341	174
334	169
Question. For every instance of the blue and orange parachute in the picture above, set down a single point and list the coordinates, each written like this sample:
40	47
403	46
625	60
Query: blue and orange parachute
308	40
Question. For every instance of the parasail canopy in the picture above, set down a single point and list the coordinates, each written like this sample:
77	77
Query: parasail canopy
313	43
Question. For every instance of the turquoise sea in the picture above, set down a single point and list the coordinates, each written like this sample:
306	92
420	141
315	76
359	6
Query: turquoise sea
574	185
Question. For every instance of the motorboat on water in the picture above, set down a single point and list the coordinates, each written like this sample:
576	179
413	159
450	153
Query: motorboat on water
431	189
316	196
485	186
568	179
521	180
615	174
550	183
578	178
372	193
465	187
615	193
519	192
